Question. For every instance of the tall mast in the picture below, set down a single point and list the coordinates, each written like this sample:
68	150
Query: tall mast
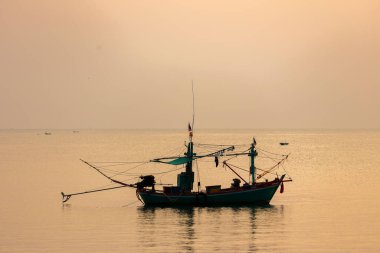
185	180
189	153
252	154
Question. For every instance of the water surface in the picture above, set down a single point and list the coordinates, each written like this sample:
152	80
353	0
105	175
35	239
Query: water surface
332	205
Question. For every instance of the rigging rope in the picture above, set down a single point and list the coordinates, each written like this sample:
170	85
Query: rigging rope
111	165
122	162
220	145
238	167
271	158
269	152
276	165
283	167
119	173
206	147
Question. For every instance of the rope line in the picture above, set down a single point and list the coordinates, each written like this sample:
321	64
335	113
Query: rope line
269	152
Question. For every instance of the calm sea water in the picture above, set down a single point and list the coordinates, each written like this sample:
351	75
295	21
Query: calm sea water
333	204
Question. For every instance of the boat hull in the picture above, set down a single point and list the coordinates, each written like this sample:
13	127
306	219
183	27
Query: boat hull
253	196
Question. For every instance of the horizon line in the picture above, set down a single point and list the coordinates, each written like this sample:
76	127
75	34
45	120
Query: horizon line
201	129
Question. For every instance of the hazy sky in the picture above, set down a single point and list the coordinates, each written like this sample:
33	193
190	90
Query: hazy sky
129	64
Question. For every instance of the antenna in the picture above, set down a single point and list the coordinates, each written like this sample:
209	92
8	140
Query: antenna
192	89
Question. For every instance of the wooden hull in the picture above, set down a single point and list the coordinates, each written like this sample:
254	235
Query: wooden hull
261	195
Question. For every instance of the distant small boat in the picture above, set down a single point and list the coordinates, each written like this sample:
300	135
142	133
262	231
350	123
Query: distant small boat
284	143
47	133
75	131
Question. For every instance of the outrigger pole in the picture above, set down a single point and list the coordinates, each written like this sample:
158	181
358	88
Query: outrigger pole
66	197
225	163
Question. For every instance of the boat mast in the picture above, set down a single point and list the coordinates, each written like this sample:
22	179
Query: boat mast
252	154
189	165
185	180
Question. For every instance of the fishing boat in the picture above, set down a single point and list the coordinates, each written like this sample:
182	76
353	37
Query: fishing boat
256	189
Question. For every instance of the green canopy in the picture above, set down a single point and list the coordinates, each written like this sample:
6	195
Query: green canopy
180	160
177	161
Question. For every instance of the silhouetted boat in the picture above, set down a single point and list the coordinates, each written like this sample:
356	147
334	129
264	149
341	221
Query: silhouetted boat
284	143
250	192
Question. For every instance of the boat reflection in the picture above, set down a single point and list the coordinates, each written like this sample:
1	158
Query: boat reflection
160	228
190	229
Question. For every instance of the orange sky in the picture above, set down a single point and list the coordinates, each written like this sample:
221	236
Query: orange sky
129	64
